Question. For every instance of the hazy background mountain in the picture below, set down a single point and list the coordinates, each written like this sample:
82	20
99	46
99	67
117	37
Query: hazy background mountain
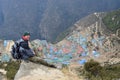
45	19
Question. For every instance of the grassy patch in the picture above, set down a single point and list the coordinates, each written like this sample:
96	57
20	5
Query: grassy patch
93	71
11	68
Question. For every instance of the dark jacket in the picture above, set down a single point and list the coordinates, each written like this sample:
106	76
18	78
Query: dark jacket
24	44
25	50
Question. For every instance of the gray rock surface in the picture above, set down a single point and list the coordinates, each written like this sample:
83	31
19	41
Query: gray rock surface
32	71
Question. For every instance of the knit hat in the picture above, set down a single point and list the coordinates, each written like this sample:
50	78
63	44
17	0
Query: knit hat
26	33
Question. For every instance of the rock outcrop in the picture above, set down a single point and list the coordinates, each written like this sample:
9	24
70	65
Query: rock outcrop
32	71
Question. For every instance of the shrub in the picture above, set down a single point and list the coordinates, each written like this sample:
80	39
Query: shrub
93	71
12	69
93	67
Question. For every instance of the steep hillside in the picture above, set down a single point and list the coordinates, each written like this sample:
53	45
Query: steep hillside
45	19
84	23
92	35
112	20
109	23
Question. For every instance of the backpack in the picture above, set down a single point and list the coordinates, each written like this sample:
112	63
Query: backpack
15	50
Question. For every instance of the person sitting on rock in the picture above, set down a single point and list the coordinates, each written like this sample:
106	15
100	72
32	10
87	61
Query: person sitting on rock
25	51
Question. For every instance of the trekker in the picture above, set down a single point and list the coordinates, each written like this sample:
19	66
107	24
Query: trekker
24	50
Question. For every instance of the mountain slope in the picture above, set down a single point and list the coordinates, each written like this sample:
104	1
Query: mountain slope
109	23
112	20
95	39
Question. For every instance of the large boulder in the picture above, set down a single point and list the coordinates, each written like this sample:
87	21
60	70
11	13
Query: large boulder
32	71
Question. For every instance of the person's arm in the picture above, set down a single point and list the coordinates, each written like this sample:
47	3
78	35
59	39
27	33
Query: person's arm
29	44
30	47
